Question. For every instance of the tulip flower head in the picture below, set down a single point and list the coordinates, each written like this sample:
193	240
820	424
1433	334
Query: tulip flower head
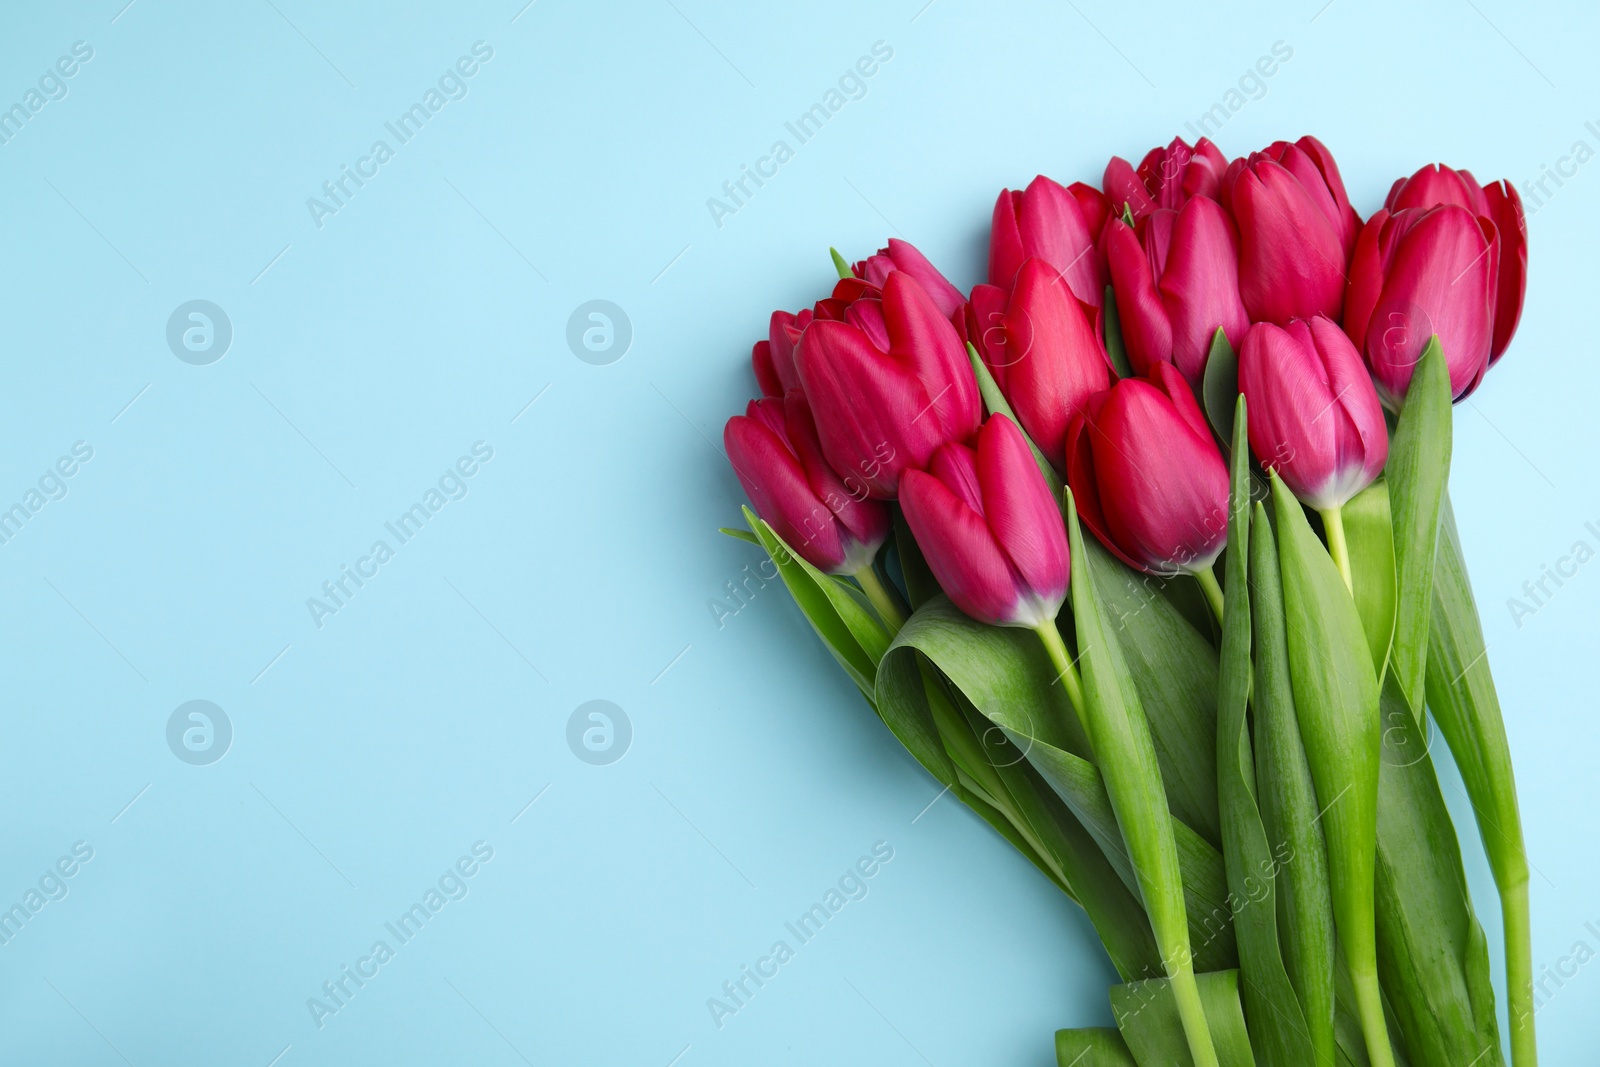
1147	477
1176	277
778	460
1167	177
1296	230
773	359
1419	272
1314	414
888	384
1042	349
1060	226
989	529
1438	184
902	255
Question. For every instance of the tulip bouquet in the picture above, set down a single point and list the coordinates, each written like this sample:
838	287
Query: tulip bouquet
1144	550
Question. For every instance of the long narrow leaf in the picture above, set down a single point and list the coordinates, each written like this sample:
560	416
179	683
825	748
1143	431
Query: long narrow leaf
1288	802
1418	467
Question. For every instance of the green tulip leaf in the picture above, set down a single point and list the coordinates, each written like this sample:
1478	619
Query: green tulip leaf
1004	673
1461	695
1432	955
1280	1037
1336	702
1175	671
842	622
929	723
1417	471
1289	812
1120	739
1369	534
1092	1047
1147	1017
740	535
1219	386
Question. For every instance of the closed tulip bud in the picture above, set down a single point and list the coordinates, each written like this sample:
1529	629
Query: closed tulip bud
902	255
1042	349
888	385
1147	477
1416	273
1051	223
773	358
985	521
1438	184
1176	277
1314	415
1167	177
778	460
1296	230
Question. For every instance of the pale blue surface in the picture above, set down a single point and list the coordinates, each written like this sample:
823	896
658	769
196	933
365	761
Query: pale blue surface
429	711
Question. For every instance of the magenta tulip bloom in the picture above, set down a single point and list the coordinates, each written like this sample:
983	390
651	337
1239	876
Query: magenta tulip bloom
888	385
1314	415
1042	350
1051	223
1438	184
1296	230
773	358
1147	476
778	459
989	530
902	255
1420	272
1177	279
1167	177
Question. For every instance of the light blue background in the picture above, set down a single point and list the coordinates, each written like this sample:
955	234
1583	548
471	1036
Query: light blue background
424	317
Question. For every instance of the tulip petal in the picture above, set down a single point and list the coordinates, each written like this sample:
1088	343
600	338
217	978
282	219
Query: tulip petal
1023	518
959	548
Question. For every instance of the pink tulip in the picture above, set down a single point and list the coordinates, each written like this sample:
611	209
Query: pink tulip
1296	230
888	385
1167	177
1041	348
1314	414
1054	224
1147	477
1438	184
773	358
1176	279
778	459
989	530
1416	273
902	255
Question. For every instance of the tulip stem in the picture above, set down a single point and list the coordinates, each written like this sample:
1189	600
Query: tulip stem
1208	585
881	599
1338	548
1061	659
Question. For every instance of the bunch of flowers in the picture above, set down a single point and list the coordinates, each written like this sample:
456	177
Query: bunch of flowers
1144	550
